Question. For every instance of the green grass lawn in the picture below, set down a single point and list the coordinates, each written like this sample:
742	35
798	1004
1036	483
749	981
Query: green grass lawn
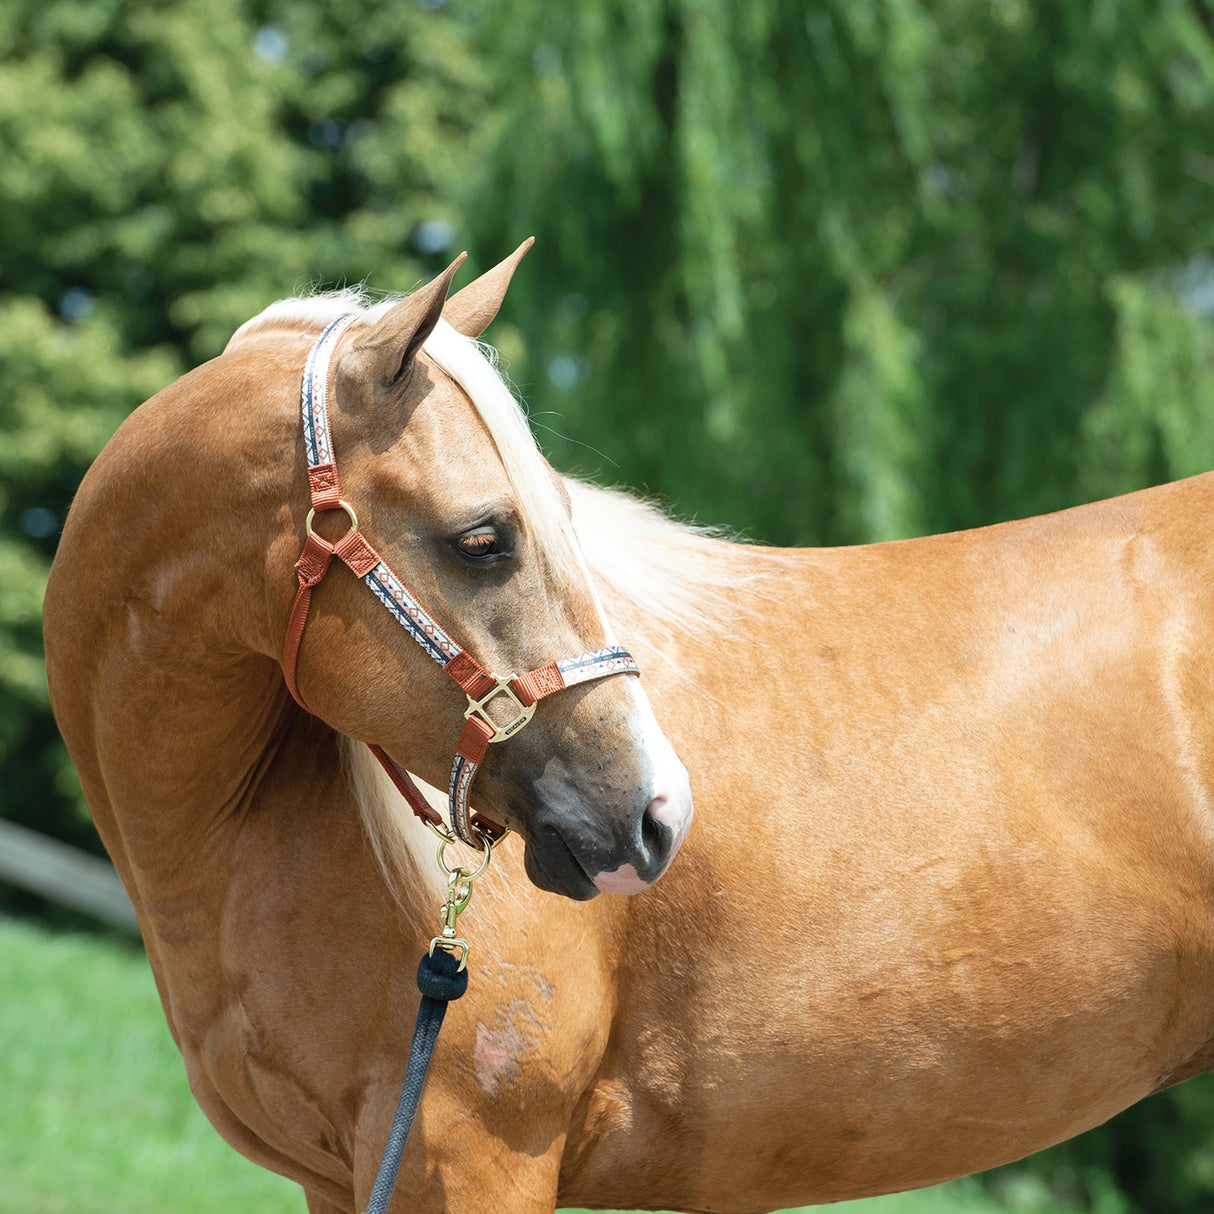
96	1117
95	1114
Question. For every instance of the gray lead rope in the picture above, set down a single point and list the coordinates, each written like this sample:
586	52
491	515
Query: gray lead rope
440	979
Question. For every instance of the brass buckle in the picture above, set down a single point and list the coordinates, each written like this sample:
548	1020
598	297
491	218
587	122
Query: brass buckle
477	708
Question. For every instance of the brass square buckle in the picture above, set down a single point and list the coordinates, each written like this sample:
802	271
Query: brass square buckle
477	708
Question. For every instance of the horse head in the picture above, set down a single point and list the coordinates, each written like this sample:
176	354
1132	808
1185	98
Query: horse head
443	481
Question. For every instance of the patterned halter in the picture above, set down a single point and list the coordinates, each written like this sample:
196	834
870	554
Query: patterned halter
521	692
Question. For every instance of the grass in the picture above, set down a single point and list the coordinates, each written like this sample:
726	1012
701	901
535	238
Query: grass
95	1114
96	1117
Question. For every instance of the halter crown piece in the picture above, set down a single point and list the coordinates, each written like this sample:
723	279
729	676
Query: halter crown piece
523	692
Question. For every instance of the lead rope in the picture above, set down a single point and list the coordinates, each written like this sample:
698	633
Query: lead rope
441	977
440	980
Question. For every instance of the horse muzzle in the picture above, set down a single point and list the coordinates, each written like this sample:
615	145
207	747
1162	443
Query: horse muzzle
574	852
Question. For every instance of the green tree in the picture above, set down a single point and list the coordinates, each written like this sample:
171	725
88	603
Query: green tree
864	269
142	180
857	270
169	172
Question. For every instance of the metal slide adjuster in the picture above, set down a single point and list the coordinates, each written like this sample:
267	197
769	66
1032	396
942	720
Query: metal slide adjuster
477	708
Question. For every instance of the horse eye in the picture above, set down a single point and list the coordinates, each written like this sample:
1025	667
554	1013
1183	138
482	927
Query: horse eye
479	544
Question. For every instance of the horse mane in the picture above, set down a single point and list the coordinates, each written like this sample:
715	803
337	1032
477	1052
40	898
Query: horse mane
668	573
402	845
676	578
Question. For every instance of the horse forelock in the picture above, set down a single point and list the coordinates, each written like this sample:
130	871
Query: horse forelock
473	365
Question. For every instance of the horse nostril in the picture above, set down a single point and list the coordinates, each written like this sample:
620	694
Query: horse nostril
656	835
668	815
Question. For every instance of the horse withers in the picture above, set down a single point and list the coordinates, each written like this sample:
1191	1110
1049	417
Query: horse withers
948	895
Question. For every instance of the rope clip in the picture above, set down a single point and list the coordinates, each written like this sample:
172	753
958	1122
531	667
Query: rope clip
459	894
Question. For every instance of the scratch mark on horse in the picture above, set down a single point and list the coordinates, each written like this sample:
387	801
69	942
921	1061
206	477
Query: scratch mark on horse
501	1049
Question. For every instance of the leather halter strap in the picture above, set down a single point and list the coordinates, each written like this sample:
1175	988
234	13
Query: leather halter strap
480	687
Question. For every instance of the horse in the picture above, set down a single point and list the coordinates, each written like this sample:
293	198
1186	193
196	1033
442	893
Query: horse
948	897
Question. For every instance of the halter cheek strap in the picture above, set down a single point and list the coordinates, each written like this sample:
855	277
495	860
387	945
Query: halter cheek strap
518	693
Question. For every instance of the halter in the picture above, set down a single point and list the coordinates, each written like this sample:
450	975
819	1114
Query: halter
520	692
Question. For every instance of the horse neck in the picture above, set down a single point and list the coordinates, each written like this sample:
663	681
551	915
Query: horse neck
162	610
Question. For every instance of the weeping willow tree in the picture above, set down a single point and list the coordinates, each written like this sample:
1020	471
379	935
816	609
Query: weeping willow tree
863	268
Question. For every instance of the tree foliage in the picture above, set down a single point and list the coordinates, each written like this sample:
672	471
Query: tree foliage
883	267
171	170
825	272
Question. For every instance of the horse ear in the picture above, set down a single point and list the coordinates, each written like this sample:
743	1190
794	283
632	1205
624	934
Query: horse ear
395	339
470	310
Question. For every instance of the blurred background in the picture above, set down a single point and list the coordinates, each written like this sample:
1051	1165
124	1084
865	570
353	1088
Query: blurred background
823	272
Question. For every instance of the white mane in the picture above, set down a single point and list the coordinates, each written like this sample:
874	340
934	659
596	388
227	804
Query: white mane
633	550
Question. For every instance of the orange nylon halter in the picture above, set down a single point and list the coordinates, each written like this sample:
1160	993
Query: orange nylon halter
480	687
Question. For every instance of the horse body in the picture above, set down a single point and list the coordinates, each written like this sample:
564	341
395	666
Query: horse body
958	907
947	898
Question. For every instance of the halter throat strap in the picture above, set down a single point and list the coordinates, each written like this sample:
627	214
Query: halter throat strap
522	692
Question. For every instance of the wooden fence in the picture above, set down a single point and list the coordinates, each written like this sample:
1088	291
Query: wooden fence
64	874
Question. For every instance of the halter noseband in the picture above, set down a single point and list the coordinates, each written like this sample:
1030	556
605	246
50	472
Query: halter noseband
522	692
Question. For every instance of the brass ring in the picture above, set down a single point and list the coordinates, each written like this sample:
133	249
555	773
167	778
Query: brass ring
342	504
486	855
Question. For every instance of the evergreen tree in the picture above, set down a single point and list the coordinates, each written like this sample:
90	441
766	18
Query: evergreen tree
169	172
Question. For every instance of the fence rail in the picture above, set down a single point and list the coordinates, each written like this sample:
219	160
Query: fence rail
64	874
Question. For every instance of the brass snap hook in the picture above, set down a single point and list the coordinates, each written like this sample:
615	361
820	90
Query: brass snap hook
459	894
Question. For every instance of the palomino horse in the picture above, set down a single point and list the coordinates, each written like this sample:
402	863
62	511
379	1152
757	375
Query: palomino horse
947	900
